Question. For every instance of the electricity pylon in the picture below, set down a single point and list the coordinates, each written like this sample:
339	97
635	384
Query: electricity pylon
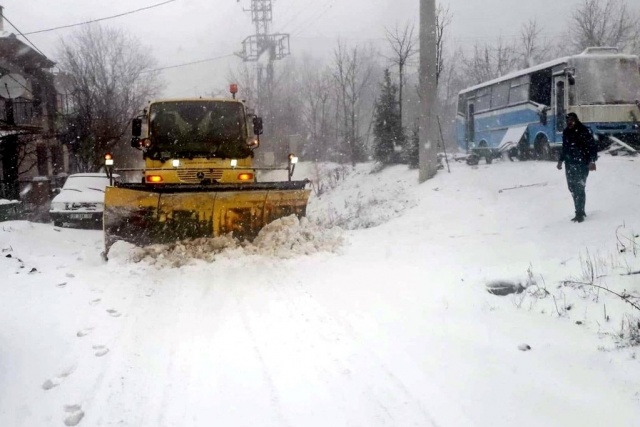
264	49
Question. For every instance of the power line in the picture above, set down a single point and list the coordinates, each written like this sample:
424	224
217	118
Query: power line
295	16
189	63
101	19
306	24
25	37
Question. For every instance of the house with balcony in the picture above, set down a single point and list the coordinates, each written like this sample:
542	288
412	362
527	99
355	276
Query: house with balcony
32	159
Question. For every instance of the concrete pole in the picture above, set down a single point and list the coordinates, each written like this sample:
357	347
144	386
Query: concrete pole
428	91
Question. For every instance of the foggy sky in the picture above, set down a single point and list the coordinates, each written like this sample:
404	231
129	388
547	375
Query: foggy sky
191	30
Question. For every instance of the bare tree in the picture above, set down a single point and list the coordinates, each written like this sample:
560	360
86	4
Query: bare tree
604	23
403	45
111	75
317	97
489	62
286	107
532	48
443	20
352	73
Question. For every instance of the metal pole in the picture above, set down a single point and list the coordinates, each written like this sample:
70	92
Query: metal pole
428	90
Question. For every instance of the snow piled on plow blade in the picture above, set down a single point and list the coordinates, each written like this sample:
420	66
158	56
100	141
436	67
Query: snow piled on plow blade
286	237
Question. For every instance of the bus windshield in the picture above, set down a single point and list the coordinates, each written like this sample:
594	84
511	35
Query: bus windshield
607	80
197	129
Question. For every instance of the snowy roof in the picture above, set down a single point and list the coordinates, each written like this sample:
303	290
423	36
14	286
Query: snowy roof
188	99
9	202
518	74
589	52
14	50
89	174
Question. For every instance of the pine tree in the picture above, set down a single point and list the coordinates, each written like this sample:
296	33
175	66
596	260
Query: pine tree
387	130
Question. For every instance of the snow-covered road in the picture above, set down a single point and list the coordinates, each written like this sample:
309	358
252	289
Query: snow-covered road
394	328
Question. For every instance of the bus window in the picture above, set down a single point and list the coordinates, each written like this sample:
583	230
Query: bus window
572	94
500	95
483	101
560	109
461	104
541	87
519	94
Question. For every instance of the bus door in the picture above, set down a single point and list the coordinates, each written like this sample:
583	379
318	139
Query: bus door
471	125
560	104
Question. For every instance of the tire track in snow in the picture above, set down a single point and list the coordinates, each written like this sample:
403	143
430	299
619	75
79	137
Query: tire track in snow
391	367
275	400
339	356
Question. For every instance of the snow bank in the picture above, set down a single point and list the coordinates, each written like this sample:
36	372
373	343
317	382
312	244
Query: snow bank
284	238
360	197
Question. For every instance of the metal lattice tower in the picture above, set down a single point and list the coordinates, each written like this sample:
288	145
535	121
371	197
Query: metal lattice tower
264	48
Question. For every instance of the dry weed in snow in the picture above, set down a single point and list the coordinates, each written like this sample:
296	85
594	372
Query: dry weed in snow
284	238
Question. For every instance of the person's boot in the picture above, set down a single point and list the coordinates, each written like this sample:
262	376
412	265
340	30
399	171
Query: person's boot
579	218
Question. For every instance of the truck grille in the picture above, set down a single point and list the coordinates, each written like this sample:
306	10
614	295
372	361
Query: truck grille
196	176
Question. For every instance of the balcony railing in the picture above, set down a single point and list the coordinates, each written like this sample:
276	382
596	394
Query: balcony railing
24	113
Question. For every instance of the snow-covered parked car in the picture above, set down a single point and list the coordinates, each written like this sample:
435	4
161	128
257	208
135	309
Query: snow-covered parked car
81	200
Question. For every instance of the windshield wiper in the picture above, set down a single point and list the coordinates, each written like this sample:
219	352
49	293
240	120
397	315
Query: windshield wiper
73	189
97	189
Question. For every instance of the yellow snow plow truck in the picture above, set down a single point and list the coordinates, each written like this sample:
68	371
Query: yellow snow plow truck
199	179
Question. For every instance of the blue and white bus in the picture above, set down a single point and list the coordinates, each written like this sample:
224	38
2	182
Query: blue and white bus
523	113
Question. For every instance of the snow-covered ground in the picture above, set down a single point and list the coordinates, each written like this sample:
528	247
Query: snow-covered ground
385	321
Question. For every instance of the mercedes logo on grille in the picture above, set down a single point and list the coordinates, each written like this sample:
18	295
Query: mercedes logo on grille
200	175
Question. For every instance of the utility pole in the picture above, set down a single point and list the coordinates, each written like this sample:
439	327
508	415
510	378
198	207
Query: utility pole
428	91
264	48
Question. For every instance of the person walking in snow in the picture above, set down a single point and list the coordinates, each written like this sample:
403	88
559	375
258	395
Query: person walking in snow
579	153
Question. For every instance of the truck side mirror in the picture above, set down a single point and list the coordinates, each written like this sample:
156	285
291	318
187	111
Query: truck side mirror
257	126
136	127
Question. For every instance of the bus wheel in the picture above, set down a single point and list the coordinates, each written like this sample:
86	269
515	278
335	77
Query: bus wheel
524	153
542	148
473	159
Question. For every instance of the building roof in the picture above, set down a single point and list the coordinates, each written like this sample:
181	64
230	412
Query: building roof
14	50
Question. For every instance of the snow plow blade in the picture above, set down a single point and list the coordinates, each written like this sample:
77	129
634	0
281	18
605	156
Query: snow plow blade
143	214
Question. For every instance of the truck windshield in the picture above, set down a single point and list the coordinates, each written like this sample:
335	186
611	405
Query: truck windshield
198	129
608	79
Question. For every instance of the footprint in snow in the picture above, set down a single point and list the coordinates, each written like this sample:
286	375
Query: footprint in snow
70	275
100	350
95	301
113	313
62	285
57	380
84	332
75	415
